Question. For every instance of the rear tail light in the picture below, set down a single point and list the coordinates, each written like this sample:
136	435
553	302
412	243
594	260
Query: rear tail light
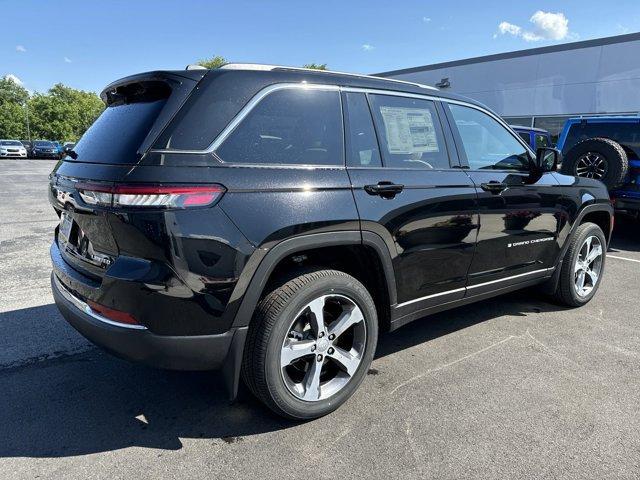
150	196
112	314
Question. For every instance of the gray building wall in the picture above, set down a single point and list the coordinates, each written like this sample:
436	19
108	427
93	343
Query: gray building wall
591	77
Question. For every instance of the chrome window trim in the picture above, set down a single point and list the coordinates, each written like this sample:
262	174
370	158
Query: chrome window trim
244	111
457	290
258	97
82	306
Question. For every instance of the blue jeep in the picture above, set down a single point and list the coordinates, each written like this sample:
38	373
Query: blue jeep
607	149
535	137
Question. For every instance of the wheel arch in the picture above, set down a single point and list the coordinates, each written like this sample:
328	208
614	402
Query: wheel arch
298	246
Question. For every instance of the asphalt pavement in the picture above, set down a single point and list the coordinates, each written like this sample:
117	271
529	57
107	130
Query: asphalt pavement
513	387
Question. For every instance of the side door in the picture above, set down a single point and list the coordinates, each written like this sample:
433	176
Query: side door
411	192
520	212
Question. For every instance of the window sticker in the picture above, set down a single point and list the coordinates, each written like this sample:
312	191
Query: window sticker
409	130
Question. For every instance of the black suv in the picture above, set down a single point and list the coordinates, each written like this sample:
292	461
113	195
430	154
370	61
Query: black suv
271	221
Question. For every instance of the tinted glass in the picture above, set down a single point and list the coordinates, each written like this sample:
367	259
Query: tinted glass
116	135
362	145
43	144
12	143
524	136
289	127
487	144
553	125
409	132
541	140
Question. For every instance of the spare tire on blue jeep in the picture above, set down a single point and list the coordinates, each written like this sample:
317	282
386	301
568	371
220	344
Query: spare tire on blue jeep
599	158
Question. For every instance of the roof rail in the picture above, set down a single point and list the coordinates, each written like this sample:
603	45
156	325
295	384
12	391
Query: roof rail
266	67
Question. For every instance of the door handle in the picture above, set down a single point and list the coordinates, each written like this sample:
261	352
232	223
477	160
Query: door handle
384	189
494	187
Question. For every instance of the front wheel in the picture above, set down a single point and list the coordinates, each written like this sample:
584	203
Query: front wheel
583	266
310	344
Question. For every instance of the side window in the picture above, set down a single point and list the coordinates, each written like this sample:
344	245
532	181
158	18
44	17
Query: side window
289	127
409	132
542	141
487	144
362	145
524	136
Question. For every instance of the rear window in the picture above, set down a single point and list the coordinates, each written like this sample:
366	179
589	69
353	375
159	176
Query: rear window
116	135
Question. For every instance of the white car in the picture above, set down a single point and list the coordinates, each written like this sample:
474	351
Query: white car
12	148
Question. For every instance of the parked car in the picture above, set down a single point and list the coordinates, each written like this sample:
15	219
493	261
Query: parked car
606	149
28	145
333	207
535	137
12	148
44	149
59	149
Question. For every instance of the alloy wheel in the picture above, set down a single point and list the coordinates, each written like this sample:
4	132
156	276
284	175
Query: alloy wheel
592	165
324	347
588	266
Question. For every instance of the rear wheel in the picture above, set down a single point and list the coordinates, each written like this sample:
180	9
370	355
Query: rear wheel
583	266
310	344
598	158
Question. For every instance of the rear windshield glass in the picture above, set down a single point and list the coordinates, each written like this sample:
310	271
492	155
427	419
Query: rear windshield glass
116	135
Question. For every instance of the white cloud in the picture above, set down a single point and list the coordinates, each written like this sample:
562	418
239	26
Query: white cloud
67	60
12	78
426	19
20	48
545	26
510	28
367	48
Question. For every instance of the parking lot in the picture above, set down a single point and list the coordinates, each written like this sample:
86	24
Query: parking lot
513	387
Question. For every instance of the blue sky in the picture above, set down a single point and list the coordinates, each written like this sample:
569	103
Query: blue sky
87	44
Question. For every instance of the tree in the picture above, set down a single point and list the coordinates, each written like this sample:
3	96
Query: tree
13	114
63	113
315	66
213	62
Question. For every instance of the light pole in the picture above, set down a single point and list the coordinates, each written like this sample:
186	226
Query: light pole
26	111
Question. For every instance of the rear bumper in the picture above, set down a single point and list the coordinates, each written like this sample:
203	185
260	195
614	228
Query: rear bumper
201	352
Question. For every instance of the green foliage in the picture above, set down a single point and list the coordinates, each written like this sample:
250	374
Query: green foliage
213	62
63	113
315	66
12	109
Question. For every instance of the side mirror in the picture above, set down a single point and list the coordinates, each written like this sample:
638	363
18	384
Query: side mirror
547	159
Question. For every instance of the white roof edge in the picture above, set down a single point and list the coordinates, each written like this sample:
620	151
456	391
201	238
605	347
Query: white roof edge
266	67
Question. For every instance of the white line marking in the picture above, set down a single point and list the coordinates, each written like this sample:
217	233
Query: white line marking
622	258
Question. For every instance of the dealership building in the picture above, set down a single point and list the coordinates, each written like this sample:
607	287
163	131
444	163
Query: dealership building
542	87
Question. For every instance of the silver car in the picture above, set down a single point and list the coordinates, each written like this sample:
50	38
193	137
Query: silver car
12	148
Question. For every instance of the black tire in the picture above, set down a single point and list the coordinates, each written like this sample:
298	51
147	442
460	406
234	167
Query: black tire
565	293
269	327
614	155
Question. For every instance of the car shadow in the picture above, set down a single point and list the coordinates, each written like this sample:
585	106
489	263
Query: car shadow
89	402
625	235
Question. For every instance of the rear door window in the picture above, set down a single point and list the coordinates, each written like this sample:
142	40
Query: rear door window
289	127
362	145
409	132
